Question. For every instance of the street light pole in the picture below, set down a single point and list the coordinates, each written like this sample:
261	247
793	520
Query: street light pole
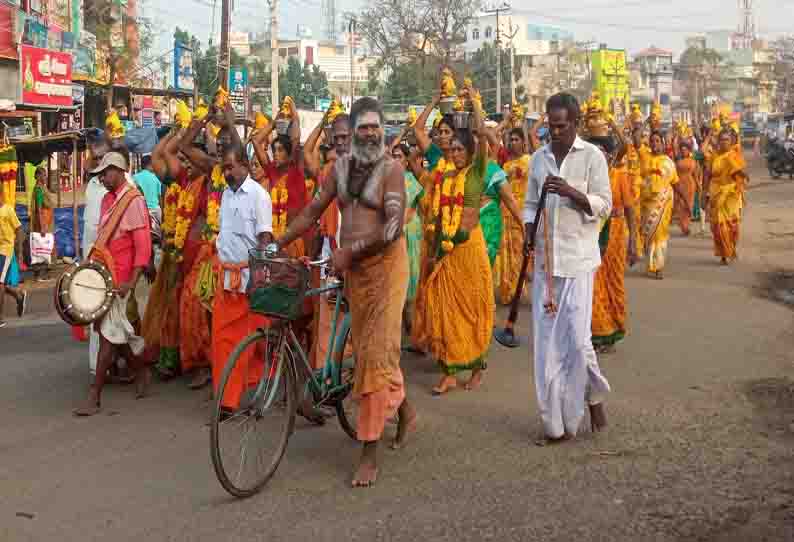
502	7
274	98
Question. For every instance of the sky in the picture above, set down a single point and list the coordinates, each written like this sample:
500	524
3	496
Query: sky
628	24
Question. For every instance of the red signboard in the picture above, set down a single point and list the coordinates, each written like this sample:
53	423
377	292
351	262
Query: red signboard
46	76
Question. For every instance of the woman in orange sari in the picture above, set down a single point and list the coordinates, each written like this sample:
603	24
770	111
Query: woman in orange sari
724	189
689	183
609	290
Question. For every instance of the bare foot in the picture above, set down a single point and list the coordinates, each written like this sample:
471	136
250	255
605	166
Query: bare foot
598	417
200	379
475	380
724	261
142	381
406	424
606	349
90	407
367	473
448	382
550	441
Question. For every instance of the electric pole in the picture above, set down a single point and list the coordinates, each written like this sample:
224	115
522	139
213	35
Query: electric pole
225	55
498	9
351	27
512	32
274	98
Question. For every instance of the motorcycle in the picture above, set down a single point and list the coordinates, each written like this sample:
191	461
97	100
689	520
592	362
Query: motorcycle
780	159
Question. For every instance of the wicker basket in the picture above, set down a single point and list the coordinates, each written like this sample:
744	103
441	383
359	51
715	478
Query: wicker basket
277	287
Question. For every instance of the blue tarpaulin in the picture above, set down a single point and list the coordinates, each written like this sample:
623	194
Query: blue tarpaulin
64	228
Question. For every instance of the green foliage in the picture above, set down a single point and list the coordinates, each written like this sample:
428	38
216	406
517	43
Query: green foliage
303	84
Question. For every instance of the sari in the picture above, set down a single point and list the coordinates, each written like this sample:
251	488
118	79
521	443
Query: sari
491	211
726	200
413	232
687	169
635	160
657	209
609	290
453	317
41	210
511	253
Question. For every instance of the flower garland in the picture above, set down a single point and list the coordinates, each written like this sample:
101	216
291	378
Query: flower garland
441	168
451	202
218	185
517	171
279	196
310	186
169	213
184	217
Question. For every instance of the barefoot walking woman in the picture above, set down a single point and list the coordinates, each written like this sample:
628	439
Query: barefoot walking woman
455	304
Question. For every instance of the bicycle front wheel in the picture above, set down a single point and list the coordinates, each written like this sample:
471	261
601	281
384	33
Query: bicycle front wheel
248	437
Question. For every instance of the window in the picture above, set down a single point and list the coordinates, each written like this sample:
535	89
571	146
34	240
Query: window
488	32
475	34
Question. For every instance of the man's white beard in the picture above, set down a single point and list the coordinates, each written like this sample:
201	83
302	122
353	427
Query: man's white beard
366	154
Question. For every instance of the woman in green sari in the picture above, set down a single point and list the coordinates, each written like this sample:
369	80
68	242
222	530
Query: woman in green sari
497	191
413	229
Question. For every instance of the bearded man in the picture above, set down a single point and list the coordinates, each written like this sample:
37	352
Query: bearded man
369	189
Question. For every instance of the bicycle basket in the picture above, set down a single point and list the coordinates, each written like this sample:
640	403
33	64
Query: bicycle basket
277	286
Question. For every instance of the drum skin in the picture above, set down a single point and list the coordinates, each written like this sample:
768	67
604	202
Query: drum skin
84	293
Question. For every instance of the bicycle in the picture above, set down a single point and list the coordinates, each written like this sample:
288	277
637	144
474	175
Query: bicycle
277	289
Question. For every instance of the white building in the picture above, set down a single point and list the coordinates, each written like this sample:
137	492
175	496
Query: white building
529	38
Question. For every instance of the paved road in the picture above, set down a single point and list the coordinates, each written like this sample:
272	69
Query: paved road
699	447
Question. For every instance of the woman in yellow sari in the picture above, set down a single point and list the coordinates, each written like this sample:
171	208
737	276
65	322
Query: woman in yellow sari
724	189
659	184
511	251
618	247
455	305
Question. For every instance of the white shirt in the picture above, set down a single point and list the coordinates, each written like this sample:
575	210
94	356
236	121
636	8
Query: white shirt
243	216
94	192
573	233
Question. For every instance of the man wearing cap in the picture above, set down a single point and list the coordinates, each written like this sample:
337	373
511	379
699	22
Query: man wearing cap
124	245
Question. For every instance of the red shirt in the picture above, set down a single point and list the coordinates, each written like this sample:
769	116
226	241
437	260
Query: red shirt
131	243
296	184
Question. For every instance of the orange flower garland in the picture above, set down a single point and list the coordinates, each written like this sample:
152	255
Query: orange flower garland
279	196
217	187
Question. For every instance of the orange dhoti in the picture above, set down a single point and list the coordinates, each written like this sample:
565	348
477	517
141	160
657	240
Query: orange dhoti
376	290
232	321
194	318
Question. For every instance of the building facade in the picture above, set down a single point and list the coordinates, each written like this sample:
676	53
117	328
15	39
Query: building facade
651	80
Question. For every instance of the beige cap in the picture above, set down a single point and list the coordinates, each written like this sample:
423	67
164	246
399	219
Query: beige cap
115	159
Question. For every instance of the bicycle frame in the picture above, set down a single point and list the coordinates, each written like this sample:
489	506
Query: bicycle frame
327	381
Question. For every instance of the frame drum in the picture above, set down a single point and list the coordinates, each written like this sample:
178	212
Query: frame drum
83	294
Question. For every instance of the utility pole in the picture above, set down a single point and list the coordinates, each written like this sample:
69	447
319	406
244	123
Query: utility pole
504	6
351	27
225	55
512	34
274	98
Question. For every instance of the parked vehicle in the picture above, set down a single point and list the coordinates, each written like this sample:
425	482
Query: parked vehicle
780	158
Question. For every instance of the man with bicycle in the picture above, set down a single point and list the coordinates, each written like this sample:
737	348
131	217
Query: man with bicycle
369	188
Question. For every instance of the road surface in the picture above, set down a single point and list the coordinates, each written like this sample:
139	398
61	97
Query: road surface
699	447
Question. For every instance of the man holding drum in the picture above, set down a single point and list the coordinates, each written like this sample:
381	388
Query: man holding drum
124	245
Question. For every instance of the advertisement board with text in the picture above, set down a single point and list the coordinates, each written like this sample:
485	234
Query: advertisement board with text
45	77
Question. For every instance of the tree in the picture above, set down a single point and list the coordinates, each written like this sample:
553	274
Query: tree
304	84
702	70
425	31
124	39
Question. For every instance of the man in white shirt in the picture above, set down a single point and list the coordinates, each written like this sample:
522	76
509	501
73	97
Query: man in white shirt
246	221
576	177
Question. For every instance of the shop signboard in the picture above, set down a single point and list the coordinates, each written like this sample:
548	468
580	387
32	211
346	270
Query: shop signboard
45	77
238	91
183	67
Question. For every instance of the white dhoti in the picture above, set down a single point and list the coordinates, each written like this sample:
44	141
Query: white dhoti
117	329
567	374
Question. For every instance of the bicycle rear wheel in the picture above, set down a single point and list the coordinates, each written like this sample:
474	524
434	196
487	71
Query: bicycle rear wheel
248	442
346	406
